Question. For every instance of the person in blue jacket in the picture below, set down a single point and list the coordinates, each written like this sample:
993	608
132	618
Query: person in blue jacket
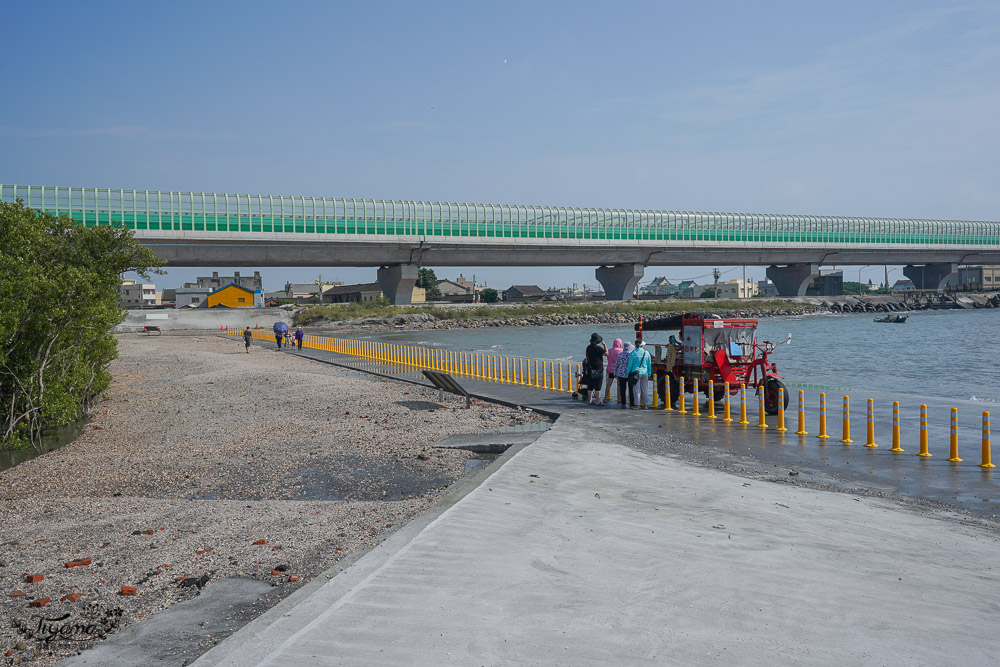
641	363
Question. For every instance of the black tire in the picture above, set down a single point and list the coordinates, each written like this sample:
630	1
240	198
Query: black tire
771	387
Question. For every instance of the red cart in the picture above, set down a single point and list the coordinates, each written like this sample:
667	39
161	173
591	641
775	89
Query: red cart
717	349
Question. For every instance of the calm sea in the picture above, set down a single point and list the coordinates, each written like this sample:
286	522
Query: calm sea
942	358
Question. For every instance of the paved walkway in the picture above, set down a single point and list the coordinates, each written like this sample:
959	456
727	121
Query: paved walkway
574	552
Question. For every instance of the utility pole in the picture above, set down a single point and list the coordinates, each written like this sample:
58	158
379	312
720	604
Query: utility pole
715	275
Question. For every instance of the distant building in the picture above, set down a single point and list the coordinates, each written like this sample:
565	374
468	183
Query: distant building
216	281
766	288
137	295
168	298
235	296
524	293
827	283
469	285
453	288
192	297
365	293
737	289
903	284
976	278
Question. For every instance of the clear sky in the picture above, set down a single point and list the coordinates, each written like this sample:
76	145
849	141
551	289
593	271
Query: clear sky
841	108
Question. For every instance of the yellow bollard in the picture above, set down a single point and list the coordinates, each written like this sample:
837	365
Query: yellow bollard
694	398
870	430
655	397
761	421
536	373
560	377
987	463
822	416
711	399
954	436
781	410
847	421
895	428
680	395
743	404
802	414
579	378
728	417
550	381
666	394
923	432
569	380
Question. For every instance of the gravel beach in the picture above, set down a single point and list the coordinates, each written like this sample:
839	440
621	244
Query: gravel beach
202	463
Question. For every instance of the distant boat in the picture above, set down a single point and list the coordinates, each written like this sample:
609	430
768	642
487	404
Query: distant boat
892	319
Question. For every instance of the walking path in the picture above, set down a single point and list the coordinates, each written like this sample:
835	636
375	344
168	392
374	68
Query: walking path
577	552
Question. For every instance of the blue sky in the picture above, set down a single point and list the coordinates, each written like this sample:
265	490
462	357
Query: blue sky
849	108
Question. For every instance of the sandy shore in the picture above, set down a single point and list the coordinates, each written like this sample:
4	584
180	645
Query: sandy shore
203	463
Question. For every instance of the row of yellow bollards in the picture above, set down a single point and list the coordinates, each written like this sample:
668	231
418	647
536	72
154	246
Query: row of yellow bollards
553	376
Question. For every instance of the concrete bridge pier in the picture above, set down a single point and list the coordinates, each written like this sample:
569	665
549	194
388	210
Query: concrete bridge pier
619	281
794	279
930	276
397	281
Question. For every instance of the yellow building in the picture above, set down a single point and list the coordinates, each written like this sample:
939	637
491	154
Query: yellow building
232	296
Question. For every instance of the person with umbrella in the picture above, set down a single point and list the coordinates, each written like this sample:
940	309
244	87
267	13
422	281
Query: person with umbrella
280	329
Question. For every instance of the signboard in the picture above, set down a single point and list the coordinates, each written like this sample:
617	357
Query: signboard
692	346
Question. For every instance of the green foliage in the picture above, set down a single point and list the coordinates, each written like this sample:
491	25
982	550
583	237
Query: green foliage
707	293
59	295
489	295
851	287
427	279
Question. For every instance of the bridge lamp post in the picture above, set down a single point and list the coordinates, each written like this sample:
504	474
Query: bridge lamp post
859	278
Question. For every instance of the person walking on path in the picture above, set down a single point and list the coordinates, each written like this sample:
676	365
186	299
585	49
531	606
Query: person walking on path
596	352
247	338
616	348
621	375
641	364
299	335
280	331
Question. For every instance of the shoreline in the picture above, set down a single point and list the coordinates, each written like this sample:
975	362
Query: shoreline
204	464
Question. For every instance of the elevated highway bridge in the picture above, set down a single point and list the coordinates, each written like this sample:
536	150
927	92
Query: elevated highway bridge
246	230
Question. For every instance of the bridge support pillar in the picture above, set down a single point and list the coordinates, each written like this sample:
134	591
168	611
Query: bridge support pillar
397	281
794	279
930	276
619	281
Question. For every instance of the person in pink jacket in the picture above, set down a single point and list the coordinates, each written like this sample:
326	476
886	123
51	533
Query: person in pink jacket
613	353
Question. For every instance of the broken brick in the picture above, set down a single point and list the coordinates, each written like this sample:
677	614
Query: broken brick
78	563
293	578
129	590
33	578
261	542
179	579
72	597
276	573
17	594
148	532
40	602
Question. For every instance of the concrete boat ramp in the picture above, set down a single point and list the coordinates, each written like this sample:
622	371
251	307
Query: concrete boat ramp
572	552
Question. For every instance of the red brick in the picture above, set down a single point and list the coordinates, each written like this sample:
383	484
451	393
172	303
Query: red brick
33	578
78	563
40	602
276	573
148	532
261	542
202	551
129	590
293	578
17	594
177	580
72	597
10	652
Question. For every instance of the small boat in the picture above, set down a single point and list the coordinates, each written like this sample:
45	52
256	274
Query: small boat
892	319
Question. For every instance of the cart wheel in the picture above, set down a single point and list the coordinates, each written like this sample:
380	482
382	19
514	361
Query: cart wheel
771	396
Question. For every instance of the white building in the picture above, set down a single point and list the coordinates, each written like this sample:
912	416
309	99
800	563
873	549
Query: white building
737	289
138	295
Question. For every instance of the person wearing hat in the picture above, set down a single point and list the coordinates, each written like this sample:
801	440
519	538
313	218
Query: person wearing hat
596	352
299	335
641	364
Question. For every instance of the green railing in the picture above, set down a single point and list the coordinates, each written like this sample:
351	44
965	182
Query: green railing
152	210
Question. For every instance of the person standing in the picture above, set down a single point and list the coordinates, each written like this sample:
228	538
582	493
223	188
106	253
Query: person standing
596	352
641	364
616	348
247	338
621	375
279	332
299	335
